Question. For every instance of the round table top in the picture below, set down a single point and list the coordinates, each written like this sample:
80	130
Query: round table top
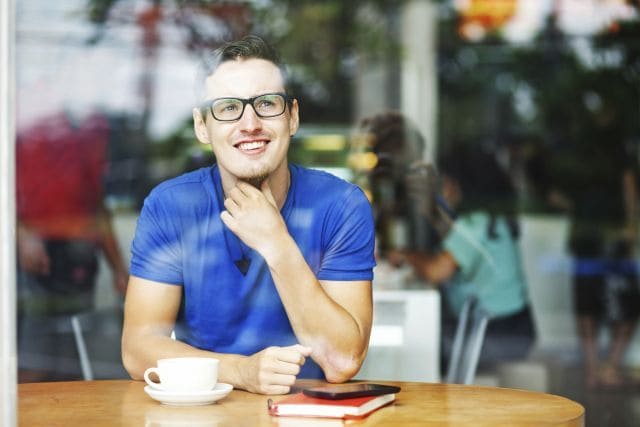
124	403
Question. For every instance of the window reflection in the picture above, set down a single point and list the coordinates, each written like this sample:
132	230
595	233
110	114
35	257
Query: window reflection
63	226
549	88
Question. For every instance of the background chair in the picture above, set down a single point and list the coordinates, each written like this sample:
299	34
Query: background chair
467	343
97	335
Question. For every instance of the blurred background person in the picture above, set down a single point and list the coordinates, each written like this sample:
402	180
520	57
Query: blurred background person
478	254
603	212
601	202
381	153
473	249
63	225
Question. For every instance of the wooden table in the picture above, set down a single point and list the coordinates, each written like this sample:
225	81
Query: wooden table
124	403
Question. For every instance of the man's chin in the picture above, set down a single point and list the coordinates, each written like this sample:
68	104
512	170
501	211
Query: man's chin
255	180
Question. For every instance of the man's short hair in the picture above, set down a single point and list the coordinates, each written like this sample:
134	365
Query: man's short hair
249	47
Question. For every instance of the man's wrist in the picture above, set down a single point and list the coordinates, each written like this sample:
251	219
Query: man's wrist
231	370
279	250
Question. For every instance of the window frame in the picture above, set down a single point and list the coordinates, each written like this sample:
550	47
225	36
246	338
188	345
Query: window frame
8	358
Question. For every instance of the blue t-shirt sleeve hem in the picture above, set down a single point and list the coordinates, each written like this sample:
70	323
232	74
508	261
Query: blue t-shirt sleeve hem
338	275
143	274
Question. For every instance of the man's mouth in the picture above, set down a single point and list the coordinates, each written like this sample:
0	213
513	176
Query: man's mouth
250	146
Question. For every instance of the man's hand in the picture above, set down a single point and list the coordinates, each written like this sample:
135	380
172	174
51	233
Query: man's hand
273	370
253	216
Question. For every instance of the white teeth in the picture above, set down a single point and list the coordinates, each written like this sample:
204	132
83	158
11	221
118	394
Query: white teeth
247	146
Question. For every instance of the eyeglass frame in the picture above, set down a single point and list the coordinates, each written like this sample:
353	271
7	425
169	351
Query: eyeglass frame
208	105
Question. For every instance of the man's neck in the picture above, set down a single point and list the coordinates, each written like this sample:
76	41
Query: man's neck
278	181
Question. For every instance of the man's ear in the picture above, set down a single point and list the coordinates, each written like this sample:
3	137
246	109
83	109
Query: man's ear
200	127
294	122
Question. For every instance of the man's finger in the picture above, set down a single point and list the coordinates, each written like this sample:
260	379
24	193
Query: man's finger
287	368
283	379
275	389
231	205
247	189
229	221
237	195
305	350
290	356
293	354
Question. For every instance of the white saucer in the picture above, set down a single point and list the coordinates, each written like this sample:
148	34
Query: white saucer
189	398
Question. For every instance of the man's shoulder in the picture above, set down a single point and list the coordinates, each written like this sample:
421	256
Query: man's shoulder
318	182
189	181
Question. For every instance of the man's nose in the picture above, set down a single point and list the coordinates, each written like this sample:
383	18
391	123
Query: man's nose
249	119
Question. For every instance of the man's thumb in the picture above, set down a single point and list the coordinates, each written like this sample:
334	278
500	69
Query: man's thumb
304	350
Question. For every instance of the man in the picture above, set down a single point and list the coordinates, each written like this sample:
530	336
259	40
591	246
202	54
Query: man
261	264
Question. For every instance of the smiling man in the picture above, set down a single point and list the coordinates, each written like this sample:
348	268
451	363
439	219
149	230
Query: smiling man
262	264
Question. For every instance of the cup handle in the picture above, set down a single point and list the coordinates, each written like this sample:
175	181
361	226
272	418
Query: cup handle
152	384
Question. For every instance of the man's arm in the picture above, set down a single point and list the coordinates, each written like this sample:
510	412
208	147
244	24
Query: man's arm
333	318
150	314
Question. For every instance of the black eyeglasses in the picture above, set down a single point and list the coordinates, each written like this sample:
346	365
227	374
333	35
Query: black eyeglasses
231	109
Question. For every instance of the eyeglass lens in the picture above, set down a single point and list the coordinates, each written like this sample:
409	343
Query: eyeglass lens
269	105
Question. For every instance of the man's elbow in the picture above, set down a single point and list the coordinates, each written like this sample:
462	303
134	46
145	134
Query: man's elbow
131	363
340	368
337	376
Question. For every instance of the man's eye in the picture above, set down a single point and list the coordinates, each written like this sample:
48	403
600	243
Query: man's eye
230	107
265	103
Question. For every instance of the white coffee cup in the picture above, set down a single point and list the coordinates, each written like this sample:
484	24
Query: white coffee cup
184	374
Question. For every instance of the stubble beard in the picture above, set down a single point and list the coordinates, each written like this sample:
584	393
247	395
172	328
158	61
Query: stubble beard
255	178
256	181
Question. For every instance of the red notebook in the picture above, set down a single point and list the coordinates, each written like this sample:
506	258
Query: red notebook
300	405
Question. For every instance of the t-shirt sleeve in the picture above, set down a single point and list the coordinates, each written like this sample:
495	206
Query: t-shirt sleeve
156	249
349	239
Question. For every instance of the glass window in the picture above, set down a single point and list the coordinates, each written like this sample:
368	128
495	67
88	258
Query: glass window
496	140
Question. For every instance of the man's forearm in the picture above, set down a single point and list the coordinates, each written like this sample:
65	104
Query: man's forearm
143	352
339	339
272	370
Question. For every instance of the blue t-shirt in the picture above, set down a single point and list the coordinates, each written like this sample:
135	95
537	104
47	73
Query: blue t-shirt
489	268
181	240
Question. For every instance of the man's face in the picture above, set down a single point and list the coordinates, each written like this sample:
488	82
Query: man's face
250	148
